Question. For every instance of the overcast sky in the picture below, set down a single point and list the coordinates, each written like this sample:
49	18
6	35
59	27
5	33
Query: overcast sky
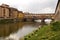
32	6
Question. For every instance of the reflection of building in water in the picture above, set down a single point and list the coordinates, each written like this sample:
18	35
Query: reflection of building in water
7	29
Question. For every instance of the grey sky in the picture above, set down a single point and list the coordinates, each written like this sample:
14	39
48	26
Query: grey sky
32	6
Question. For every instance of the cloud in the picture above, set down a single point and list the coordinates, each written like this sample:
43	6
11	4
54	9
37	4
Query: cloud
38	5
47	10
34	6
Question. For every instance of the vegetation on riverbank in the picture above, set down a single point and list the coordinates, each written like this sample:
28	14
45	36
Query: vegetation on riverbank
48	32
6	21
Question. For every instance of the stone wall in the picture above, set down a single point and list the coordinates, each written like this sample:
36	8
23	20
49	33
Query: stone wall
57	13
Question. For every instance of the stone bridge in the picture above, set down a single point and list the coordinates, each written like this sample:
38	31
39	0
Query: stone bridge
32	17
54	16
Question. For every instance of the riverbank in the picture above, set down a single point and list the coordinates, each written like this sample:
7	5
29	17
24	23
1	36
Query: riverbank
48	32
17	30
5	21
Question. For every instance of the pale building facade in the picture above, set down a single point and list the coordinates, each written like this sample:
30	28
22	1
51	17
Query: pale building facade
5	11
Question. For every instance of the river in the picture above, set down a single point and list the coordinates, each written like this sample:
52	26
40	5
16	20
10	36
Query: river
17	30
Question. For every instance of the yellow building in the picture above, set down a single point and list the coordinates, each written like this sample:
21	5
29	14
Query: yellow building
21	15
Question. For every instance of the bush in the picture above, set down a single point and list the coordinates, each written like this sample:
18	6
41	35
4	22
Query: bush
56	26
25	38
6	21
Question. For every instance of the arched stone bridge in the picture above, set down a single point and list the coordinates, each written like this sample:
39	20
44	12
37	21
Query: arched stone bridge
42	17
53	16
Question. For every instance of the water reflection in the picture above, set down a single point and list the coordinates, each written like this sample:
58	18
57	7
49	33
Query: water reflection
6	29
17	30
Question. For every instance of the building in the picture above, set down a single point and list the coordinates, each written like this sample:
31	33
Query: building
13	13
1	12
57	11
4	11
7	12
21	15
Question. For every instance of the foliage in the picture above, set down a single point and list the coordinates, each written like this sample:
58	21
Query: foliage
6	21
45	33
56	26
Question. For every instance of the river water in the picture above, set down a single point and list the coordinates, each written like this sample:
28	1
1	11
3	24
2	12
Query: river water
17	30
